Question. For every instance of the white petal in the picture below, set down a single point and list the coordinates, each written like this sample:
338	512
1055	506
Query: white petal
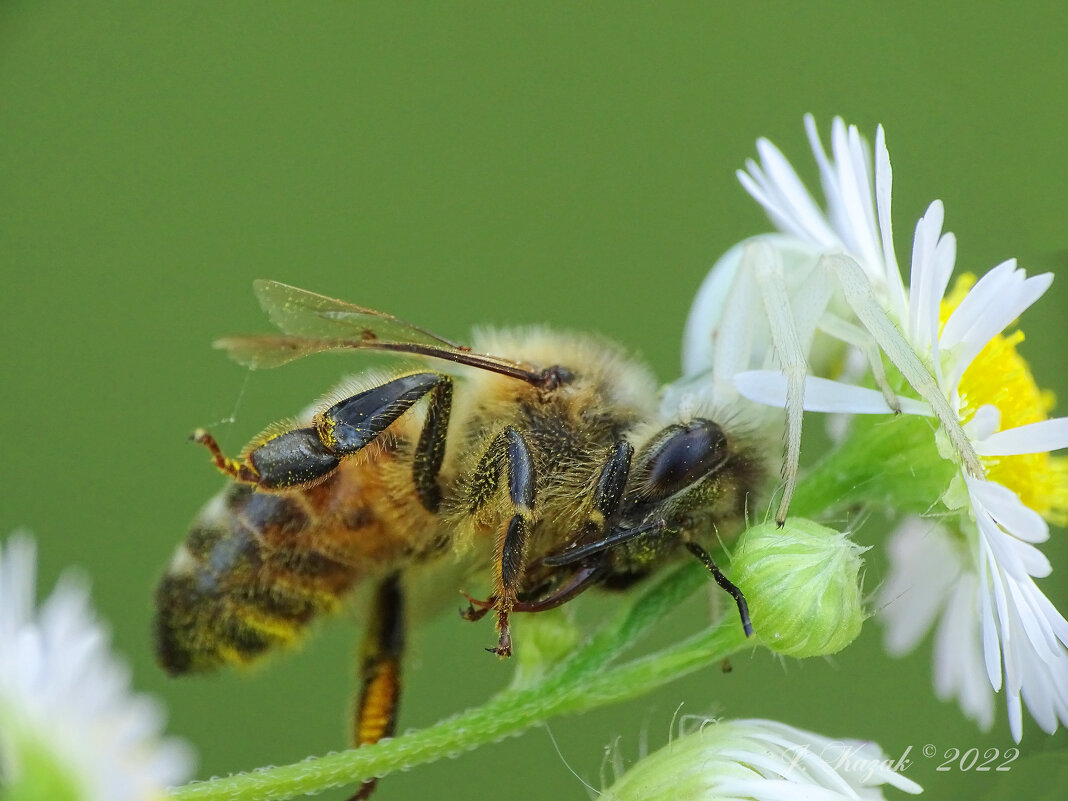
1038	636
1042	437
1012	556
985	421
988	626
959	667
858	228
992	285
59	677
1008	641
933	256
1008	510
1043	693
775	185
821	395
1056	620
883	186
1018	294
18	570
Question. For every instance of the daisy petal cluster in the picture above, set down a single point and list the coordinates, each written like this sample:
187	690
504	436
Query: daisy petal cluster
70	729
857	219
759	760
955	362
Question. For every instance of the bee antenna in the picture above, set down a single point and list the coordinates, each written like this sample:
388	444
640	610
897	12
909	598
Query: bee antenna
725	583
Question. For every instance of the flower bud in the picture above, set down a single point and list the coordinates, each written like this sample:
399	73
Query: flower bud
542	640
802	583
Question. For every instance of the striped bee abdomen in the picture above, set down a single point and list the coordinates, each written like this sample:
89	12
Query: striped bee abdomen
247	579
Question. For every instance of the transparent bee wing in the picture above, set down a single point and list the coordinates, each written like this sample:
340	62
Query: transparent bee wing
259	351
306	314
315	323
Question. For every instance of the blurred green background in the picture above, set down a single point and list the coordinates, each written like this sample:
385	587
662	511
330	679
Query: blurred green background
457	165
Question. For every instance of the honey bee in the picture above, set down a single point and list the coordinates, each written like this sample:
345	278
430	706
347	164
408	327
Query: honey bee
552	470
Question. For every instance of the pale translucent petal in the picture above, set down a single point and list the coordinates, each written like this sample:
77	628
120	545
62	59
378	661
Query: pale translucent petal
828	176
1039	691
923	569
1056	620
959	666
774	184
858	227
18	570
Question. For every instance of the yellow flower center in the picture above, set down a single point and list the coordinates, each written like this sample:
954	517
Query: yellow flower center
1001	377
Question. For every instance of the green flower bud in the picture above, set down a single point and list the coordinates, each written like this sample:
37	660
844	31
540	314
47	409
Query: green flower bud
802	583
542	640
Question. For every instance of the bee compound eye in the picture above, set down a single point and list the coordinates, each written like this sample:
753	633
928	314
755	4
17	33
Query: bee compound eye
689	453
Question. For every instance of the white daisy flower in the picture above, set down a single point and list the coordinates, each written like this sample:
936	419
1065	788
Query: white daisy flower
761	760
993	427
70	729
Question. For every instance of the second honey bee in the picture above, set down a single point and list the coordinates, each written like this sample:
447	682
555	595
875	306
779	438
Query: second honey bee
551	470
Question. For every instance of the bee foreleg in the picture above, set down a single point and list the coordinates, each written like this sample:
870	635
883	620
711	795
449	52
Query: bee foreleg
608	494
607	499
511	549
380	663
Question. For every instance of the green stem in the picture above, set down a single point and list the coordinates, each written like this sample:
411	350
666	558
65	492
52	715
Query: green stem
886	461
578	684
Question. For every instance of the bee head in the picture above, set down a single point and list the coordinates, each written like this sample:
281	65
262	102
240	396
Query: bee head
688	482
693	476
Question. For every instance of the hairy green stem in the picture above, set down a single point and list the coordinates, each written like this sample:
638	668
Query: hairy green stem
886	461
577	684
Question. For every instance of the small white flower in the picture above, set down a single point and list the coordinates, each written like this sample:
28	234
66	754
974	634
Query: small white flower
952	352
69	725
760	760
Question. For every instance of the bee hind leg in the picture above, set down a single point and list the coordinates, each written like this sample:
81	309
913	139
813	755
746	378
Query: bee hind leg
380	668
235	468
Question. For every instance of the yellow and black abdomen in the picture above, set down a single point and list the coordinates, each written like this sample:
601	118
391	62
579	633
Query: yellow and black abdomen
258	567
228	596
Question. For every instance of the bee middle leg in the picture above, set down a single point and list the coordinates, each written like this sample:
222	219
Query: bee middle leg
607	498
380	671
508	449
